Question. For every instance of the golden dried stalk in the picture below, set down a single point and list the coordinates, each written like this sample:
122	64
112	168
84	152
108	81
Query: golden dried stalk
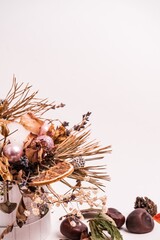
76	145
94	178
19	101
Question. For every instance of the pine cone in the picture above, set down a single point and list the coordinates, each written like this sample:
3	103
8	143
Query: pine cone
147	204
78	162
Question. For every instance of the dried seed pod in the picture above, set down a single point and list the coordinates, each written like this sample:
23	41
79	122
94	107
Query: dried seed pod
72	228
78	162
139	221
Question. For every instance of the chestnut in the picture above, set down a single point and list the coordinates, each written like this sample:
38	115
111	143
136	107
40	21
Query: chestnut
139	221
72	228
117	216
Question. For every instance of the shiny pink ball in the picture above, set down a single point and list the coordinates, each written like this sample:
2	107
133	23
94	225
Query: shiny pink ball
13	152
46	141
44	128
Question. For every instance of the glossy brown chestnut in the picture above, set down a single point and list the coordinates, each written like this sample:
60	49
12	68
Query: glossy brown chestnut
139	221
117	216
72	228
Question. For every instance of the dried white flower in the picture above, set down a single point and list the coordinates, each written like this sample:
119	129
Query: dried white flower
87	178
38	200
27	213
35	211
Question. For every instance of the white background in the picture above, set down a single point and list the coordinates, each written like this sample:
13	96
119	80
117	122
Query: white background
98	56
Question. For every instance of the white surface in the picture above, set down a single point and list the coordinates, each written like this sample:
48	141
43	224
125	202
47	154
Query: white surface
98	56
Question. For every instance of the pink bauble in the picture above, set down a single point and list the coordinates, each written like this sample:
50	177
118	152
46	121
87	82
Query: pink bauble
46	141
44	128
13	151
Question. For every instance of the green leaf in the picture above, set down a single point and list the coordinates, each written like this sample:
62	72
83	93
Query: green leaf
101	224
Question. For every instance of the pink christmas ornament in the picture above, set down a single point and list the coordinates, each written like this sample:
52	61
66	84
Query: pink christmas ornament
45	127
46	141
13	151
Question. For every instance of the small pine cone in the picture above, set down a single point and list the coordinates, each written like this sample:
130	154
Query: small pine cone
147	204
78	162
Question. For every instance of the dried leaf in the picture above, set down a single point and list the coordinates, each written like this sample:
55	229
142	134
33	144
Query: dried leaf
3	105
34	153
31	154
29	140
60	135
51	130
31	122
7	230
4	129
21	218
4	169
28	193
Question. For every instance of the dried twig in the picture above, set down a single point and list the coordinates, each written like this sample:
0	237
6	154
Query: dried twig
19	101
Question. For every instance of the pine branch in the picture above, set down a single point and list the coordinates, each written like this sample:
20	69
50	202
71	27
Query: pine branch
76	144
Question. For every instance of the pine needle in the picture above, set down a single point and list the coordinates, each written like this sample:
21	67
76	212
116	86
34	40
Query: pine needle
77	144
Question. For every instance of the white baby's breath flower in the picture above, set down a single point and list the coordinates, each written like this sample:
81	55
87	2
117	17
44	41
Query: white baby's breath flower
74	211
87	178
95	199
58	204
35	211
103	200
95	192
38	200
65	204
27	213
61	197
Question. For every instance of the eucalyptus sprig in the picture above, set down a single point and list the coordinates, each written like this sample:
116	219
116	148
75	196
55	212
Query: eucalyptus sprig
102	223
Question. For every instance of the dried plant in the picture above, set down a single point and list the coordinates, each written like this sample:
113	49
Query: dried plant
7	230
48	154
77	145
19	100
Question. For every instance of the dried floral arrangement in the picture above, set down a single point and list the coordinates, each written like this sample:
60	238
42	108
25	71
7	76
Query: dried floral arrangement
47	151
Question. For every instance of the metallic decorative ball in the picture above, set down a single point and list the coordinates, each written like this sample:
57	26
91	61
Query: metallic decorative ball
45	127
46	141
13	152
